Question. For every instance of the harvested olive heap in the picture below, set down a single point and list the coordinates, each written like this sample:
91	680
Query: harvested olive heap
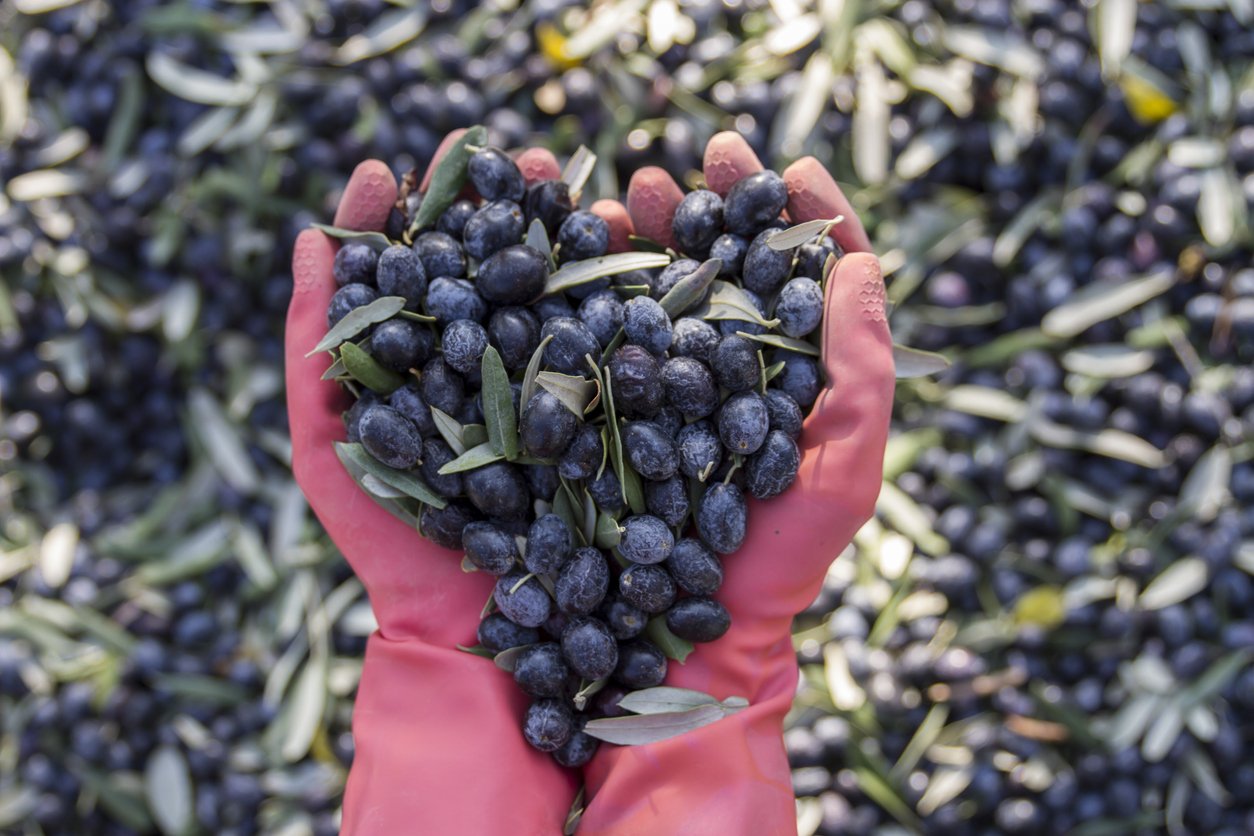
584	426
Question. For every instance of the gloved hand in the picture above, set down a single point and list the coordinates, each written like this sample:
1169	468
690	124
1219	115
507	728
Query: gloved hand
438	746
732	776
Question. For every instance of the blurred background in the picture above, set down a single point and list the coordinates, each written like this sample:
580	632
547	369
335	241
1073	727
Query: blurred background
1049	626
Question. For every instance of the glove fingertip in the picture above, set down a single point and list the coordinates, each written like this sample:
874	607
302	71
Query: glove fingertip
615	215
813	194
652	197
368	197
440	151
538	164
728	158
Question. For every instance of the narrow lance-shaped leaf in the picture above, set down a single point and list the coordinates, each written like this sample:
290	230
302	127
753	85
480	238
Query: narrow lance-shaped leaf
447	179
473	458
533	370
727	301
578	169
498	405
358	320
780	341
650	728
914	362
576	393
666	698
689	290
366	370
450	430
1097	303
802	233
589	270
402	480
376	240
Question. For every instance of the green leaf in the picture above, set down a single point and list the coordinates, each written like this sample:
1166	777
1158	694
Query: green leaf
498	405
358	320
795	236
335	370
672	645
565	508
533	371
663	699
506	659
633	489
1206	487
607	535
472	459
691	289
1178	582
450	430
1099	302
578	394
447	179
477	650
639	242
367	370
650	728
591	269
780	341
377	240
772	371
589	690
475	434
727	301
538	239
402	480
168	787
914	362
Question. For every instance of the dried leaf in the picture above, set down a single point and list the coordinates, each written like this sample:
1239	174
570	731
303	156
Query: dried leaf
358	320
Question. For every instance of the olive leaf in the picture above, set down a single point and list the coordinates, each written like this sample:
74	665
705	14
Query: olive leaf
630	291
669	643
447	179
608	534
477	650
533	369
611	424
590	518
468	565
506	659
691	289
450	430
417	317
578	394
665	698
591	269
780	341
772	371
358	320
366	370
565	508
727	301
498	405
475	434
650	728
639	242
377	487
578	169
473	458
335	370
914	362
402	480
538	239
377	240
169	789
795	236
1101	301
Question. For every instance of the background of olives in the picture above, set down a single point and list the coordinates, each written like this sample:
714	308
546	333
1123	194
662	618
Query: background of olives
1048	624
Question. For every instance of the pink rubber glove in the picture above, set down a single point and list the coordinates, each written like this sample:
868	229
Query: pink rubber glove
732	777
438	743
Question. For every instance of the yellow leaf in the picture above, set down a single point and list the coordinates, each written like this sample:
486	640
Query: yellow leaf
1147	101
1041	607
553	46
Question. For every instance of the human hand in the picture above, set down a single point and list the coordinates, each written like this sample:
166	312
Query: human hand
732	776
436	730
